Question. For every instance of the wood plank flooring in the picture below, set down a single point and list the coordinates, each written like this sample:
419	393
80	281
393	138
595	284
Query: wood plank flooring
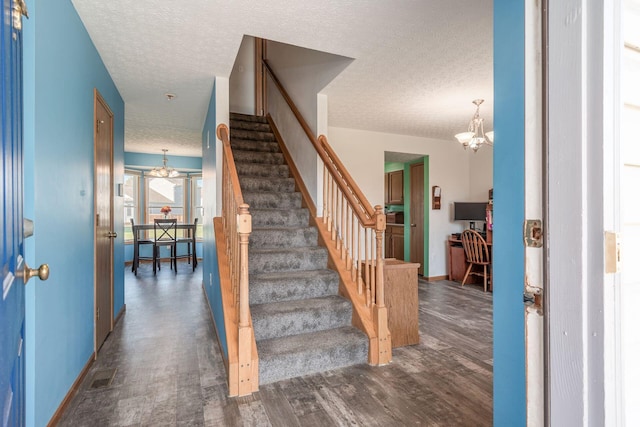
170	372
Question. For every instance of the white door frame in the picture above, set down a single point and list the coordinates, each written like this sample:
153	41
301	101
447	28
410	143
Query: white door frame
534	206
581	157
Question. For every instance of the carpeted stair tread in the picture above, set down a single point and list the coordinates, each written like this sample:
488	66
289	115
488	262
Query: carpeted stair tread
292	285
279	217
272	200
247	125
247	118
285	318
283	237
251	134
294	356
259	170
254	184
271	260
243	156
251	145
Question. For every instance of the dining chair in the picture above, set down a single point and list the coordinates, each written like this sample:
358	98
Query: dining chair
138	241
477	253
190	240
164	232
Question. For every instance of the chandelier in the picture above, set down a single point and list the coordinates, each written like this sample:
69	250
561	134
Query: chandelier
475	137
164	171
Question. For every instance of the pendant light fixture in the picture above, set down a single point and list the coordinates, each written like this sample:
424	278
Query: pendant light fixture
475	137
164	171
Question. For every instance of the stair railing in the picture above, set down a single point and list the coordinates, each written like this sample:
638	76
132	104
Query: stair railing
236	223
356	230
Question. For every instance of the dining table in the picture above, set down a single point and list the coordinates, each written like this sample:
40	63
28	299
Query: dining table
189	237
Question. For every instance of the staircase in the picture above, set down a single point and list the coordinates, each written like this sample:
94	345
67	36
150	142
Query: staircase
301	324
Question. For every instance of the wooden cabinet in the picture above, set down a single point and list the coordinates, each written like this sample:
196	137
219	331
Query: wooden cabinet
394	188
394	241
401	299
457	261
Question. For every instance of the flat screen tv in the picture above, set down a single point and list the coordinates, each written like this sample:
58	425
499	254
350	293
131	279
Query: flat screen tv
467	211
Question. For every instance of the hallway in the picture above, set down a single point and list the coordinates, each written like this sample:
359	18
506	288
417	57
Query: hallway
170	372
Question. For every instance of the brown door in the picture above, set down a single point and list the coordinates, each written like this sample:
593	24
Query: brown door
416	212
103	196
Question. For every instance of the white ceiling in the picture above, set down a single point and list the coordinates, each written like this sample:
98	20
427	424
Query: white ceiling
418	63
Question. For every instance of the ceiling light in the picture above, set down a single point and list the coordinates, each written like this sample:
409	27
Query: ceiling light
164	171
475	137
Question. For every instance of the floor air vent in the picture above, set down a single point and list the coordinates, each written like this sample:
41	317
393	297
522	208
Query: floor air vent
103	378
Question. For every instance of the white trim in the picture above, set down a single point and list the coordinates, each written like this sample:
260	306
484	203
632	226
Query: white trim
534	209
576	126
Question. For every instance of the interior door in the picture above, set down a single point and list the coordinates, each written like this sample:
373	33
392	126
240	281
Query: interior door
416	214
12	369
104	220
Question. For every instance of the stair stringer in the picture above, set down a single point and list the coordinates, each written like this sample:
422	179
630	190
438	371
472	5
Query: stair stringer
362	317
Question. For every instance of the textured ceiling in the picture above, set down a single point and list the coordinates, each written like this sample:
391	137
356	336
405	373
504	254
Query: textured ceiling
418	63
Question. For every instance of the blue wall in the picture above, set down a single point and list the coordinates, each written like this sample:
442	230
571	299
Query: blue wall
509	392
211	275
62	68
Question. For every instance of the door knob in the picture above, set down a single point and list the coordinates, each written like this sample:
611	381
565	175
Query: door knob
112	234
42	272
413	225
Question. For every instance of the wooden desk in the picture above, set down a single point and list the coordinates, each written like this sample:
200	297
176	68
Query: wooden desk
401	299
457	262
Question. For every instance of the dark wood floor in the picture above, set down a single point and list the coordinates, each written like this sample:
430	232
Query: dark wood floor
169	370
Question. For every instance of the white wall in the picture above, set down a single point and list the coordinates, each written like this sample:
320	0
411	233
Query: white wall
303	73
242	79
480	174
301	150
362	152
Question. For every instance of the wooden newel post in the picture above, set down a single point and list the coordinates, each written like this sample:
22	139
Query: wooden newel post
380	316
381	224
245	334
244	230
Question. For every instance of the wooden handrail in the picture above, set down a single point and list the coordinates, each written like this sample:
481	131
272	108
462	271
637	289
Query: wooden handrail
353	232
340	174
223	134
236	229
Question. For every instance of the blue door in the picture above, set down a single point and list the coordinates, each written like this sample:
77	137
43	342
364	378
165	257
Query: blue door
12	400
509	371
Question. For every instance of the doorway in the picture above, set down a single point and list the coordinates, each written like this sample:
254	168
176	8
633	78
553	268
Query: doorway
416	213
103	205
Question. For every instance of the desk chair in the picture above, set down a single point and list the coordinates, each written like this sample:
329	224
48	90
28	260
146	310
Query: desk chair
138	241
190	240
164	232
477	253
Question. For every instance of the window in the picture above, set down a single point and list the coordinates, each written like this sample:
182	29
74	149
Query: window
165	192
131	188
183	195
196	203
